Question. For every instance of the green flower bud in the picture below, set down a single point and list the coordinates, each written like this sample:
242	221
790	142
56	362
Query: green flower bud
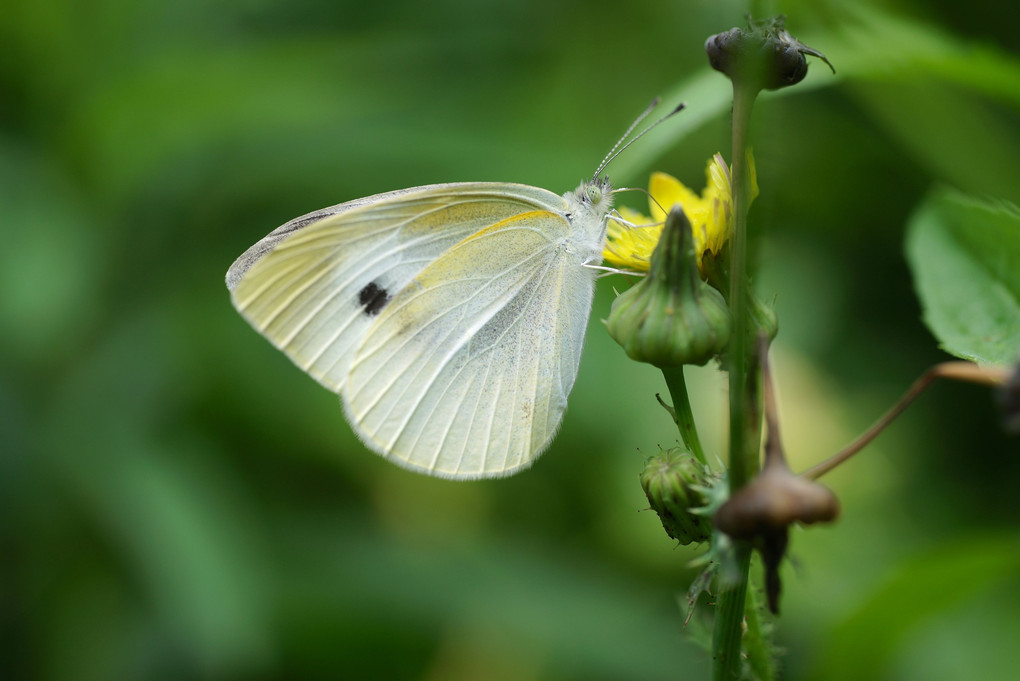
764	54
674	482
671	317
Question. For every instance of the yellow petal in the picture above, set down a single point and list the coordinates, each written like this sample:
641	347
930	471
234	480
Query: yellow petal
667	191
630	247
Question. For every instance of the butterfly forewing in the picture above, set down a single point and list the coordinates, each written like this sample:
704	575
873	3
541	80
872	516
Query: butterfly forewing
466	372
316	285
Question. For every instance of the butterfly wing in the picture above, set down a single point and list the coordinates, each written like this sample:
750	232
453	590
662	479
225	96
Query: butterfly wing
466	372
315	285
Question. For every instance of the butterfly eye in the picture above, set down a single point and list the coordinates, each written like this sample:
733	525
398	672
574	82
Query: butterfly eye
594	194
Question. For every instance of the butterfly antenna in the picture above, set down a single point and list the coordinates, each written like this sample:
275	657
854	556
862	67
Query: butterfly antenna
642	116
618	149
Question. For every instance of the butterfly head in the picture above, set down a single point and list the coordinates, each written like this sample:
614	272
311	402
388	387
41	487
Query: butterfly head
594	197
587	209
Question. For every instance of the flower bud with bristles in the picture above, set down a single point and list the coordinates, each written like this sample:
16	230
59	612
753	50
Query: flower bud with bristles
674	482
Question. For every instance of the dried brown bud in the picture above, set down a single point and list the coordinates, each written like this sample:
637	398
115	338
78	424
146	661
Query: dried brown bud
775	499
762	512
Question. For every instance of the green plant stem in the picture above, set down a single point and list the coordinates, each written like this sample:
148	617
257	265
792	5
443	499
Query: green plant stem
740	467
682	411
744	420
729	610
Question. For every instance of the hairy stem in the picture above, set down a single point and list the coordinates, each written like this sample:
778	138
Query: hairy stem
729	617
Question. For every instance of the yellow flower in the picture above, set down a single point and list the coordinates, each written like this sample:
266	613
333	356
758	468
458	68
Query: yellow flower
630	242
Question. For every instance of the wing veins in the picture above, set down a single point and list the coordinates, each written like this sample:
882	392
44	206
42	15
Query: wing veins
492	309
487	350
474	294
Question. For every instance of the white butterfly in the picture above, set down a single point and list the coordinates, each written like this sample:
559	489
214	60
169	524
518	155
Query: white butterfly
449	318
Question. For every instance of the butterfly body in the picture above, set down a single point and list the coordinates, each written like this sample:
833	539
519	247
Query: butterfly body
449	318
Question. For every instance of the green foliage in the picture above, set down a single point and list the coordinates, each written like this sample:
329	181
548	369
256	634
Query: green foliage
965	254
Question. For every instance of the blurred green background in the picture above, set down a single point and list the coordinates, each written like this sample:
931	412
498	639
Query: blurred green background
177	501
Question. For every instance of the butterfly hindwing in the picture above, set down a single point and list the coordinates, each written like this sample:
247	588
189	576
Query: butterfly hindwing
466	372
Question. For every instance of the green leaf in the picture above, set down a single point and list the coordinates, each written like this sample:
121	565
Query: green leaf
965	255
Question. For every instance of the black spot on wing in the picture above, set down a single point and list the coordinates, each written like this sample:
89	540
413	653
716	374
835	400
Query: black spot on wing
373	298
